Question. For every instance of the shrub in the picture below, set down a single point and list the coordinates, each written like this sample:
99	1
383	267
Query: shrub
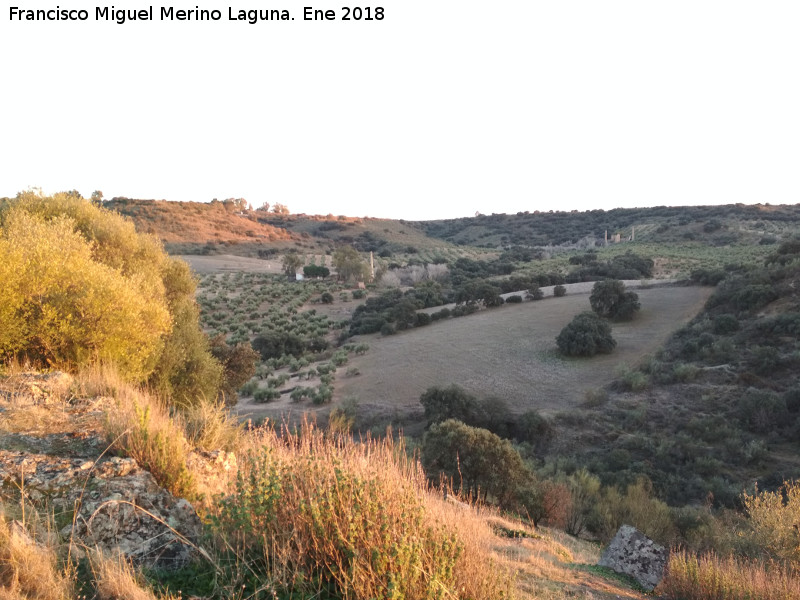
422	319
610	300
61	305
326	298
266	395
586	335
773	517
535	293
452	402
515	299
559	291
478	462
725	324
238	365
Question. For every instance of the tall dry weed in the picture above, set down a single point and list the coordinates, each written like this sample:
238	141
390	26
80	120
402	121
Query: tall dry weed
326	515
141	427
709	577
29	568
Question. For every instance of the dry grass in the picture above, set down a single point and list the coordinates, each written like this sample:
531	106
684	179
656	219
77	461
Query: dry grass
311	510
510	352
29	567
142	428
115	579
210	426
710	577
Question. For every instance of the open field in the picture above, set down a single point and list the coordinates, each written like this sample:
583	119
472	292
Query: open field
510	352
229	262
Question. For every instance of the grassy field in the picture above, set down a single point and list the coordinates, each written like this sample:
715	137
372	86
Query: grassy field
509	352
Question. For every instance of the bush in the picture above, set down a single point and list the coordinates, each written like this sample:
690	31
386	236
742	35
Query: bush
326	298
478	462
559	291
586	335
422	319
535	293
725	324
452	402
238	366
103	293
266	395
515	299
63	305
610	300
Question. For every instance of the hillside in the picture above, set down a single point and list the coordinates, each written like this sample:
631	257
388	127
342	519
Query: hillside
191	226
225	228
54	429
712	225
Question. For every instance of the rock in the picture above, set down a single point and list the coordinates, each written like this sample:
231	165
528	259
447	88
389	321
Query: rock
633	553
121	507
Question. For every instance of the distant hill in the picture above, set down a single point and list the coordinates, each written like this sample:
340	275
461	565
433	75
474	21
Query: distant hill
718	225
229	228
191	225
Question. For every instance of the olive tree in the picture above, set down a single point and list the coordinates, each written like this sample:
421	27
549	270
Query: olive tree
586	335
611	300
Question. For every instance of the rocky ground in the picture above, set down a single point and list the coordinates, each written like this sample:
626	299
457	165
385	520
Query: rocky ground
54	459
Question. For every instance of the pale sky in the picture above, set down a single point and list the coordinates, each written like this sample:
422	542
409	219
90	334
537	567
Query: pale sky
440	110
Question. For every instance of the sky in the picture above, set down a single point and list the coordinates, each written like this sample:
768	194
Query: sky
441	109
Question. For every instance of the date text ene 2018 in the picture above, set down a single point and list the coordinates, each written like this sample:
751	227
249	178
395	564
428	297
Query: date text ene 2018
356	13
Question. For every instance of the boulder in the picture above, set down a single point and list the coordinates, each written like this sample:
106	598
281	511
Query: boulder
634	554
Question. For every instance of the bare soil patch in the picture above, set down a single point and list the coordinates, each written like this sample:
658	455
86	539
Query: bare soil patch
510	352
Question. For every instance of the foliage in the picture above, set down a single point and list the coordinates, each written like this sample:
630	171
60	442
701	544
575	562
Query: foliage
93	290
238	365
610	300
61	306
291	263
559	291
311	514
711	577
586	335
479	463
316	271
186	373
773	518
452	402
349	264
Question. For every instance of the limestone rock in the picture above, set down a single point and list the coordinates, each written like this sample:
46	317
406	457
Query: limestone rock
120	506
634	554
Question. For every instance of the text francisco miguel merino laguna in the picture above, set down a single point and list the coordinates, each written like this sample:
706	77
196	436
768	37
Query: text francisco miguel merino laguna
170	13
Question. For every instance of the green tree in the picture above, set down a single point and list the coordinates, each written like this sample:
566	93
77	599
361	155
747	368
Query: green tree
610	300
452	402
291	263
478	462
586	335
238	365
349	264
